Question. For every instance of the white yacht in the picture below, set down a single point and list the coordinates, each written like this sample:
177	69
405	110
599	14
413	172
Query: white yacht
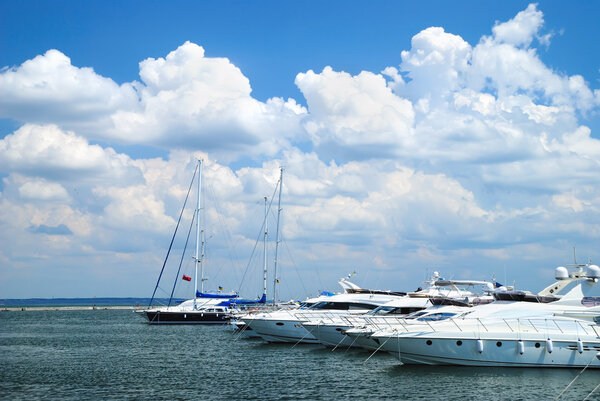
238	317
333	330
362	336
518	329
284	325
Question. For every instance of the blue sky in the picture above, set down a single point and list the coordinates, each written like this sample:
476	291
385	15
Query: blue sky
471	149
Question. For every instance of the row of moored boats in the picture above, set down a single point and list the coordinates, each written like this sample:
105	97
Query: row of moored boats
448	322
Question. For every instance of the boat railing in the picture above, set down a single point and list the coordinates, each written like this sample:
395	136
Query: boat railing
543	326
324	317
383	322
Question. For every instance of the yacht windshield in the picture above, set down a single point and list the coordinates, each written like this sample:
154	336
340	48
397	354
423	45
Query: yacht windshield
432	317
391	310
341	306
415	315
381	310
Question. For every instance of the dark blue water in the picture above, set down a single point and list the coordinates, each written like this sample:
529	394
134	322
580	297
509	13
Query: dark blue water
113	354
86	301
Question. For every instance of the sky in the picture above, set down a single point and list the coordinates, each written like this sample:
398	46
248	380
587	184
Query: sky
459	137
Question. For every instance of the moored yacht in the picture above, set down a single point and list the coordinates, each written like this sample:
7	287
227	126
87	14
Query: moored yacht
522	329
284	325
333	330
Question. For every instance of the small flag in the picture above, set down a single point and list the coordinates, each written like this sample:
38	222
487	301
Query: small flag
186	278
277	281
220	288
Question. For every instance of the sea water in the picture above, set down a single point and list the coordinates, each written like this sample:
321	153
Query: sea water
114	354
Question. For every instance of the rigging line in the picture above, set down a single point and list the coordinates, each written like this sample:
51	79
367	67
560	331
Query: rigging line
576	377
294	264
182	257
374	352
300	340
260	233
338	344
173	238
253	262
233	256
594	390
351	345
240	332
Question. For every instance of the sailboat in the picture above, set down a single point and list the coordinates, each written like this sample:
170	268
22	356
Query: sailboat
204	307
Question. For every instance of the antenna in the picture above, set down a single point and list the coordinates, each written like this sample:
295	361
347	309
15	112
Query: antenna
577	265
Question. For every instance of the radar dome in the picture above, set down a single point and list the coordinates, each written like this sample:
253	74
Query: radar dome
593	271
561	273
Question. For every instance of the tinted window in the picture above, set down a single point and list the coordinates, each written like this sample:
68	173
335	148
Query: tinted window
342	306
436	316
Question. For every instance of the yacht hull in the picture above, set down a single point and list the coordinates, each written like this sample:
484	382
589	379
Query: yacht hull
194	317
330	335
243	330
281	331
364	340
494	352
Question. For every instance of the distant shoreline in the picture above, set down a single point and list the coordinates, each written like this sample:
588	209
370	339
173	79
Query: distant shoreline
65	307
80	303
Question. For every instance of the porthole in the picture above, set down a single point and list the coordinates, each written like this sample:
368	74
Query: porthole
279	324
537	345
338	329
459	343
429	342
499	344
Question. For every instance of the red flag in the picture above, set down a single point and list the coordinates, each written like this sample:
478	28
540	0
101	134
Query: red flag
186	278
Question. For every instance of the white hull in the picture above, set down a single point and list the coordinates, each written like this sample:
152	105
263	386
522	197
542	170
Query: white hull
281	331
242	330
433	350
331	336
364	340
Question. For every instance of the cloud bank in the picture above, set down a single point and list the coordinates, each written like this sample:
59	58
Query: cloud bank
469	157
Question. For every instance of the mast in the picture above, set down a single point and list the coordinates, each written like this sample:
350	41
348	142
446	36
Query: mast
266	238
197	258
277	236
201	263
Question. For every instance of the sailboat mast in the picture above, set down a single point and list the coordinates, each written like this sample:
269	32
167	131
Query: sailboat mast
277	236
197	256
266	238
201	263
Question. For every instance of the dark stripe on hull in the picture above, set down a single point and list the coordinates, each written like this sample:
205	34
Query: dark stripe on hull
187	318
418	359
285	339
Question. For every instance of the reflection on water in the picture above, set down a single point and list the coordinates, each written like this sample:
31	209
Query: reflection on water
115	355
